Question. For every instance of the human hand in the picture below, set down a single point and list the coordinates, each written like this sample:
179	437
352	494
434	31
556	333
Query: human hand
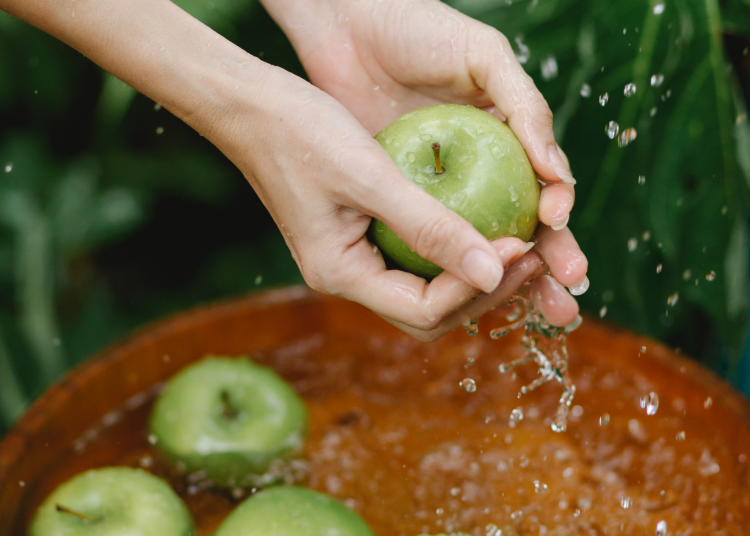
386	58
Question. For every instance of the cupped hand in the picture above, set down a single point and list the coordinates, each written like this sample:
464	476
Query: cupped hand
382	59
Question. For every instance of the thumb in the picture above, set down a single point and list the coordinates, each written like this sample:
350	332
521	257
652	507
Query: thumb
437	234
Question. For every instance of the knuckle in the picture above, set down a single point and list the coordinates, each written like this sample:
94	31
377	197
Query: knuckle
433	237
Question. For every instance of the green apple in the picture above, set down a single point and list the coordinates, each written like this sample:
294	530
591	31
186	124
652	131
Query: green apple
228	418
114	501
486	176
293	511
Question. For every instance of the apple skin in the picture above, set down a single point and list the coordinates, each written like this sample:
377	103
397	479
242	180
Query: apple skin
487	179
130	502
192	431
293	511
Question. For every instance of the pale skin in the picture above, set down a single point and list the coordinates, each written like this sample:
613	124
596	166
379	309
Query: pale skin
307	149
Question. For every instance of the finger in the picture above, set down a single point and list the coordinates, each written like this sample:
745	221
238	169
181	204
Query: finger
525	269
437	233
406	298
553	301
555	203
566	261
496	70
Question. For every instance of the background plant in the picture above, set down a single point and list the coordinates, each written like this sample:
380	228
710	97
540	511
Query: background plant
113	213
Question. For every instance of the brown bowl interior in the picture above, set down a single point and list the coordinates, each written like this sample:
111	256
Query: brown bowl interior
34	457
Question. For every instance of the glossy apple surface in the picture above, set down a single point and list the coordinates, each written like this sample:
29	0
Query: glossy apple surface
114	501
293	511
487	177
229	419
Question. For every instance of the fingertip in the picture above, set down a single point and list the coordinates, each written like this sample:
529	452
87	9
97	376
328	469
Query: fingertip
555	203
560	166
482	270
553	300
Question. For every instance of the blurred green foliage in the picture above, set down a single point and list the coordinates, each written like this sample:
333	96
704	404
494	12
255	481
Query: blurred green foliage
107	221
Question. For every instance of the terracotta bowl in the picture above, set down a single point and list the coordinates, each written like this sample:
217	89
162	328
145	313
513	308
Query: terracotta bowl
394	436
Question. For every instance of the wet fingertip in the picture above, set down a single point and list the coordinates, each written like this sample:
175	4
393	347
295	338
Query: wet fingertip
580	288
558	164
559	224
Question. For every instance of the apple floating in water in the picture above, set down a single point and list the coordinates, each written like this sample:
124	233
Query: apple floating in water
293	511
113	501
471	162
228	418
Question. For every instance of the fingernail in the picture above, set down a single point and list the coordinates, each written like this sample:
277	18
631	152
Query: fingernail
558	164
483	271
561	224
580	288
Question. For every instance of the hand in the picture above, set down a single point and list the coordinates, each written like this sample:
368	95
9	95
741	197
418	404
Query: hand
383	59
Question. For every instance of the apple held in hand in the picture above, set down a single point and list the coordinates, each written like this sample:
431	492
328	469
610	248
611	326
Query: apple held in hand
113	500
230	419
472	163
293	511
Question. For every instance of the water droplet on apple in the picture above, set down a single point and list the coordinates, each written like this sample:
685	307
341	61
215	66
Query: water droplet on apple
513	227
497	152
411	157
513	194
495	226
425	137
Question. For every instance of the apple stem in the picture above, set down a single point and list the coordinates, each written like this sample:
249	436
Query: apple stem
438	165
230	412
79	515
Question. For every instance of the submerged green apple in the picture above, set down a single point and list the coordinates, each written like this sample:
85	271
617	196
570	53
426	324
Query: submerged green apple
486	176
293	511
229	419
113	501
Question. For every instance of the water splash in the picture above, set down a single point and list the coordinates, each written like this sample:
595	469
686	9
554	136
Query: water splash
546	346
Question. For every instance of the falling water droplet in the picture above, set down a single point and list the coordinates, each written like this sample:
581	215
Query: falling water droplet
580	288
650	402
516	416
658	10
603	99
523	50
468	385
641	179
657	80
612	129
632	245
157	107
625	502
629	89
258	279
646	236
585	90
710	276
626	137
159	130
659	268
680	436
652	111
643	349
673	299
708	403
603	312
539	487
549	67
9	167
686	274
604	419
152	439
661	526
